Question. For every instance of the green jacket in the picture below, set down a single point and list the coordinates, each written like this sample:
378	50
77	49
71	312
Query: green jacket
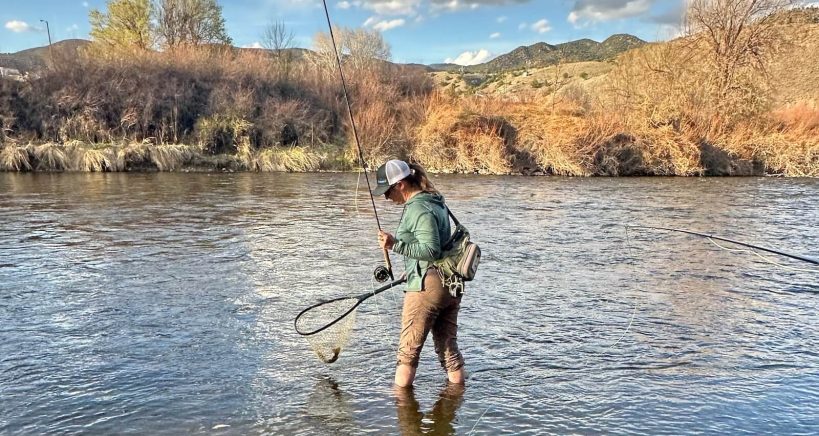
423	230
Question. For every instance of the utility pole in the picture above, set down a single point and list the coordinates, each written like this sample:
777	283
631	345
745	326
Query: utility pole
48	31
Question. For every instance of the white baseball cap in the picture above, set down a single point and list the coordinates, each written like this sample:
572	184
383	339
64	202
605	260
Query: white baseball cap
389	174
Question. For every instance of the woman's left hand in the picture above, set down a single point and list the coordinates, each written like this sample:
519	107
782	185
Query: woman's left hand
385	240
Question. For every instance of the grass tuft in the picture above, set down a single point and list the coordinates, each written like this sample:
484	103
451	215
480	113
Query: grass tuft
50	157
14	158
169	157
294	159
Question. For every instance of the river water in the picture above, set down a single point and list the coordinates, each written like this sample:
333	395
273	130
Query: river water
164	304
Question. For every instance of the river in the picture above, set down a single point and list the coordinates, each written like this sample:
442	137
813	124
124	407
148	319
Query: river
164	304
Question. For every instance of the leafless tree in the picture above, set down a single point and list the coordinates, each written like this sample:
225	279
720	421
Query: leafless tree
279	39
739	35
359	48
194	22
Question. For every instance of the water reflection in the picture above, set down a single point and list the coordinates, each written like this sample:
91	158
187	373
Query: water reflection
329	408
438	421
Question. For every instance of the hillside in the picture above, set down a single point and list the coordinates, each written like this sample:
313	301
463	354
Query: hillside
33	59
792	81
542	54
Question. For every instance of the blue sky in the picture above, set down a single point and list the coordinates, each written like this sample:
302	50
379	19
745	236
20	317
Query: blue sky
420	31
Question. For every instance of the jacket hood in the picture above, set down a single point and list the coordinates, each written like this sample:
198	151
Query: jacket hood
427	197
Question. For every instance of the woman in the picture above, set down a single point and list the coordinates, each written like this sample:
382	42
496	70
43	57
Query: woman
423	229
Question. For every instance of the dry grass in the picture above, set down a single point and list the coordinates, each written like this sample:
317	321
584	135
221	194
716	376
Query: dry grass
50	157
294	159
170	157
465	136
14	158
94	159
802	116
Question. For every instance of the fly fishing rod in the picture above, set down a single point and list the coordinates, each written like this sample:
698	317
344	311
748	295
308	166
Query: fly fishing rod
744	244
382	273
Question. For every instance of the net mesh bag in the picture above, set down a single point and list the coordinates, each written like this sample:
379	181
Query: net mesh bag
327	327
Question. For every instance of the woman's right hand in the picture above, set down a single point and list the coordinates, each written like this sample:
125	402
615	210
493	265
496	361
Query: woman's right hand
385	240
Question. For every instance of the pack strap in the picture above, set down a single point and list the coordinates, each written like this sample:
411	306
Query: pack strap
455	220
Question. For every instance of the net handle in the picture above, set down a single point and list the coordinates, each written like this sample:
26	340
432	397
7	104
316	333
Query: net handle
360	299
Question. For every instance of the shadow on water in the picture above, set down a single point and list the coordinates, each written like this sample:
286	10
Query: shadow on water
438	421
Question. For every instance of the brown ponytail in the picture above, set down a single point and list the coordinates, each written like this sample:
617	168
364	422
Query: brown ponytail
420	180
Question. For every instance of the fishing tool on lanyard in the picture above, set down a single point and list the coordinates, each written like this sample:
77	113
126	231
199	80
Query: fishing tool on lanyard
383	272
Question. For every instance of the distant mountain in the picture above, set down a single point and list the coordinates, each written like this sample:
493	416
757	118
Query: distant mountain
537	55
446	67
35	58
542	54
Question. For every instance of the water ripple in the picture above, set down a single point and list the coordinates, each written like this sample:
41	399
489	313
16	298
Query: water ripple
164	304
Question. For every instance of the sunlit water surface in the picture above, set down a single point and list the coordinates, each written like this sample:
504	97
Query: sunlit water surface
164	304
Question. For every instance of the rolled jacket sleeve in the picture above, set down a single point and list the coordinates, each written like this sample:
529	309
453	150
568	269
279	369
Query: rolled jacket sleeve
427	244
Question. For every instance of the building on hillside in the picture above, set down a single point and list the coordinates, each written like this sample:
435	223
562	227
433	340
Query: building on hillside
10	73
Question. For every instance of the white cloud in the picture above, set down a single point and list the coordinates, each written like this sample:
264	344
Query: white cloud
670	31
502	18
495	35
85	4
72	28
384	25
391	7
542	26
411	8
450	5
522	26
18	26
256	44
589	11
343	5
471	57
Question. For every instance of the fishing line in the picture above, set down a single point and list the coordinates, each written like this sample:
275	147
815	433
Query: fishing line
765	258
479	420
384	334
732	241
633	312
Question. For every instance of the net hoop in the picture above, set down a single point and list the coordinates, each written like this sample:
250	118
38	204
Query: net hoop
360	299
325	327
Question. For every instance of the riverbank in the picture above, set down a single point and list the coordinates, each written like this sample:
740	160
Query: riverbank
474	143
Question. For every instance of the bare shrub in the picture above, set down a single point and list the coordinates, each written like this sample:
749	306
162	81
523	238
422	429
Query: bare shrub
469	138
221	134
136	155
577	98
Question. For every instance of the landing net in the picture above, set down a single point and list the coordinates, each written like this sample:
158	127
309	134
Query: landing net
327	327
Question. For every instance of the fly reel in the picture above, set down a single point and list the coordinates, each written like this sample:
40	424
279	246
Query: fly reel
381	274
